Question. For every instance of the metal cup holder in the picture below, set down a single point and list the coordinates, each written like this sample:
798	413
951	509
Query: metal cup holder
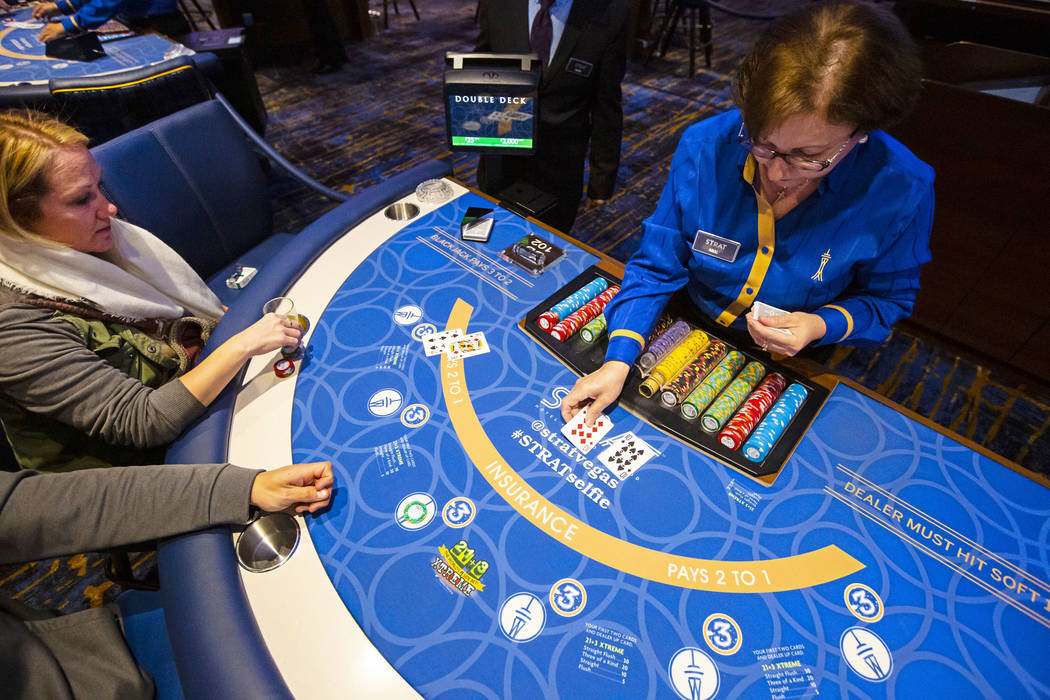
401	211
268	542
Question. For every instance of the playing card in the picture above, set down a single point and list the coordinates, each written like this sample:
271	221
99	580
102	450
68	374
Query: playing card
586	437
761	310
467	346
434	344
626	454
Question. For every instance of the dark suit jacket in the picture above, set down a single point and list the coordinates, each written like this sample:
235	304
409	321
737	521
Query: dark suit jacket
573	105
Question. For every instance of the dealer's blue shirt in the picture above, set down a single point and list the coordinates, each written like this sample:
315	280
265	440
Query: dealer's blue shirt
850	252
95	13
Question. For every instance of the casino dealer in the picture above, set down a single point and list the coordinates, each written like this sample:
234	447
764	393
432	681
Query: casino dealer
798	199
98	356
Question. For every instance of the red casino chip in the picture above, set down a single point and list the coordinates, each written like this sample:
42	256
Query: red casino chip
547	320
566	328
732	435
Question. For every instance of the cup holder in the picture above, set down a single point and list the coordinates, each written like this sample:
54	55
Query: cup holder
401	211
268	542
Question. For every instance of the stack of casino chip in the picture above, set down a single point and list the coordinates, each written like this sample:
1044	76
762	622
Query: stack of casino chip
662	324
549	318
577	319
704	394
773	425
593	329
662	346
732	396
691	375
684	353
747	416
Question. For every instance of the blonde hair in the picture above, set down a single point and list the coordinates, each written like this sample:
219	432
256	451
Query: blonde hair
28	140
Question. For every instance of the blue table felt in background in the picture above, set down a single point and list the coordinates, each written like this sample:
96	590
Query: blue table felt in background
22	56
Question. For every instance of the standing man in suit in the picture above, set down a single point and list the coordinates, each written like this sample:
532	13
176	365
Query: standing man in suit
582	45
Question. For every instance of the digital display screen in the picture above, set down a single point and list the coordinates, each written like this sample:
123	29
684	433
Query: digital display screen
491	121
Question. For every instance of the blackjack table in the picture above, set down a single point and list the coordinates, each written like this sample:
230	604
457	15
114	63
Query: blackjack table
22	57
472	550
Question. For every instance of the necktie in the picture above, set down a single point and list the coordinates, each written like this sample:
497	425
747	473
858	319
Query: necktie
542	32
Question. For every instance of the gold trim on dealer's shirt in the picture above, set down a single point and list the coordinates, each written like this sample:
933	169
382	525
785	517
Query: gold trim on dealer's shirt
763	255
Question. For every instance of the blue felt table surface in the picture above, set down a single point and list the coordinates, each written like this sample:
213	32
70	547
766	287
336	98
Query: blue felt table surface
953	546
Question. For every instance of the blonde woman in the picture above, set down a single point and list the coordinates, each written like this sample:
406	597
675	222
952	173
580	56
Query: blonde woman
100	321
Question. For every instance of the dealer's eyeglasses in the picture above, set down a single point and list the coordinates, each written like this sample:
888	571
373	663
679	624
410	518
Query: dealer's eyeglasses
795	160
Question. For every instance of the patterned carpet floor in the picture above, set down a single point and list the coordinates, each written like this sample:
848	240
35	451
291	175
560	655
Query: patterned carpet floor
383	113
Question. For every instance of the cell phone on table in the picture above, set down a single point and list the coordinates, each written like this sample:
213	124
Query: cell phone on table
476	225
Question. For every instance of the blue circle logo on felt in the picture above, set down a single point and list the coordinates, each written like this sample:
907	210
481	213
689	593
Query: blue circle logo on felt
415	415
423	330
693	674
863	602
458	512
408	315
385	402
568	597
722	634
415	511
522	617
866	653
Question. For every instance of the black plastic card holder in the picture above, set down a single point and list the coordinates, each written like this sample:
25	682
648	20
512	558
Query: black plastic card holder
584	358
75	47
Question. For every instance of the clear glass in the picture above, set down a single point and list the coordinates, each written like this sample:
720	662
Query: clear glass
282	306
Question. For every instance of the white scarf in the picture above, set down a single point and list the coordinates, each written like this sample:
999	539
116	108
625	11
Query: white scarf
140	277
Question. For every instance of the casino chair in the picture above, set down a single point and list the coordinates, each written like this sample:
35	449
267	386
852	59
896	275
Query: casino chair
194	178
697	14
105	106
386	12
146	632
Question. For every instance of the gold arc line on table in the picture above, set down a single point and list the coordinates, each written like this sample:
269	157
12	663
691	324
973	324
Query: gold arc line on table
441	252
976	546
941	558
804	570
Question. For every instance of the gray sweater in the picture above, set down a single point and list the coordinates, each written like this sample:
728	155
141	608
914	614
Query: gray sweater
45	515
48	376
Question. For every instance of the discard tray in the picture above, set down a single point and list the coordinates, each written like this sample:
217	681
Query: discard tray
584	358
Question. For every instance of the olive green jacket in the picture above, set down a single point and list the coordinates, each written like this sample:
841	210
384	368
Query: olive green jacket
78	393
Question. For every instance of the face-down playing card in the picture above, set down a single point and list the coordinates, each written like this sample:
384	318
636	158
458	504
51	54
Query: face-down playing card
583	436
626	454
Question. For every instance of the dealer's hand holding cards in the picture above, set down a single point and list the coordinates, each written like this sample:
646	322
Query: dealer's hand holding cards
595	391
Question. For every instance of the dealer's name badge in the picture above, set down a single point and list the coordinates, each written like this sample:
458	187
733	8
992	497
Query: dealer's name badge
715	246
577	66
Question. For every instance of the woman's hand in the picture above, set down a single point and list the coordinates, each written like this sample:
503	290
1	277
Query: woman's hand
46	10
308	487
208	378
805	328
267	334
600	388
